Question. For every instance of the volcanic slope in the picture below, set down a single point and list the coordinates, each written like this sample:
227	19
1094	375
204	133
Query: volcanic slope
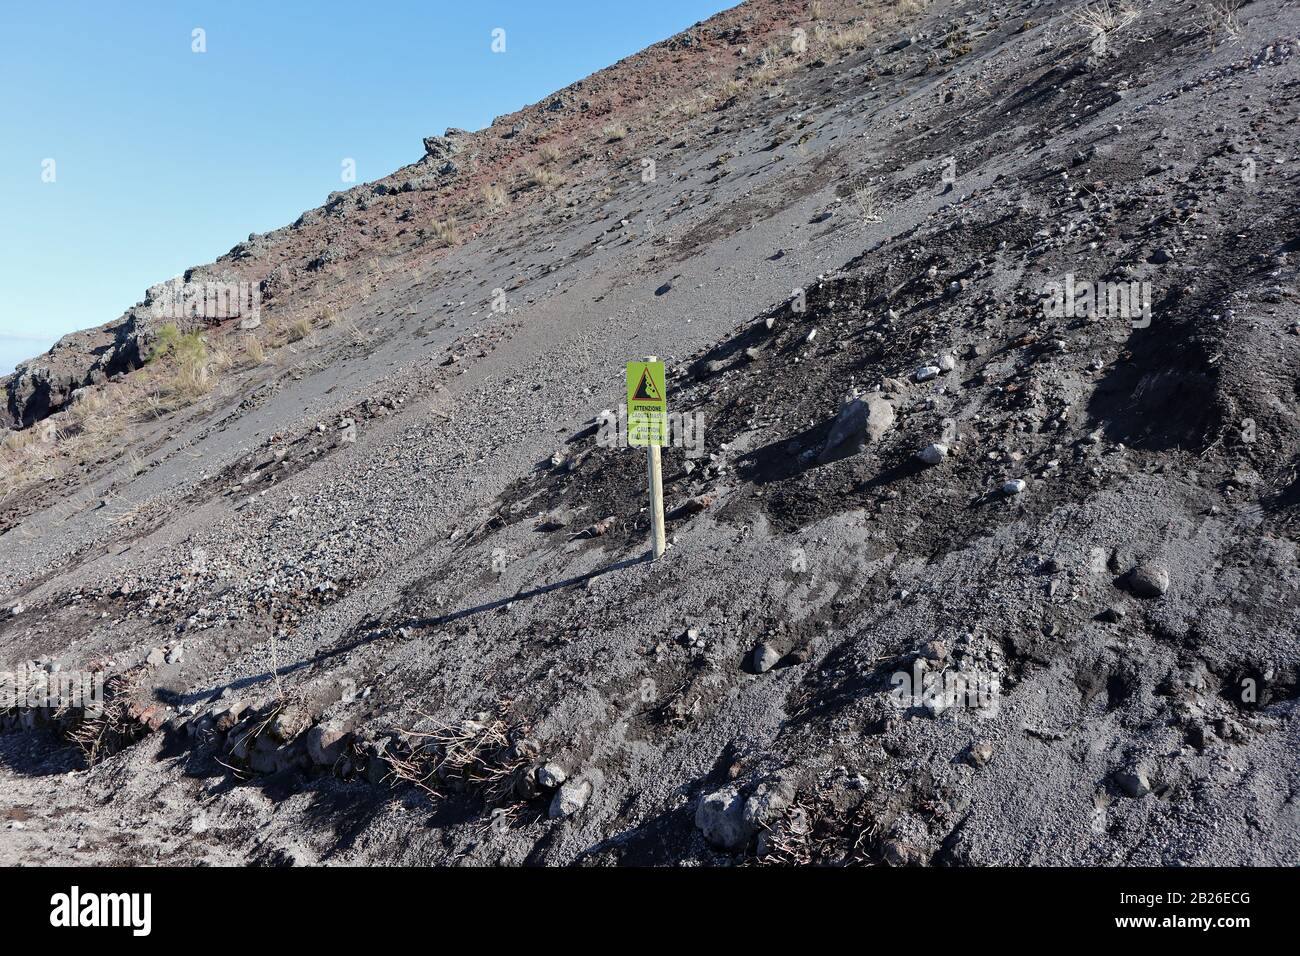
989	314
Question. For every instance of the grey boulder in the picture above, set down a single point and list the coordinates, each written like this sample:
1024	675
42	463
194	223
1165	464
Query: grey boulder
861	421
1148	580
571	798
720	815
326	743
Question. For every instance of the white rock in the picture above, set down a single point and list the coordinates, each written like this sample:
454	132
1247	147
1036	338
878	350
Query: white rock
925	372
571	798
1013	487
765	658
551	775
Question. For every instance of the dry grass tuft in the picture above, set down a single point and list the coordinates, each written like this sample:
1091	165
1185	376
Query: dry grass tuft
495	196
866	204
445	231
908	8
773	65
100	732
254	349
223	355
354	332
1223	18
1104	17
821	835
613	132
853	36
490	756
545	179
299	330
182	366
692	105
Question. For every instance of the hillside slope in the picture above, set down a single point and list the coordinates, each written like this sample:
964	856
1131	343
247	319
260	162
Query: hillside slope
373	591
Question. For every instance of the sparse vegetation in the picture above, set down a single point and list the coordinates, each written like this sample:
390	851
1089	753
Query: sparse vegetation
1104	17
490	756
222	356
687	106
21	460
544	178
254	349
773	64
182	366
495	196
864	202
87	405
171	340
613	132
1222	18
102	732
135	465
856	35
354	332
93	425
954	41
446	231
692	105
549	155
298	330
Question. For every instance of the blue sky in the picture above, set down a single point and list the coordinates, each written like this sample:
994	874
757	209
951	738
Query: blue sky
165	158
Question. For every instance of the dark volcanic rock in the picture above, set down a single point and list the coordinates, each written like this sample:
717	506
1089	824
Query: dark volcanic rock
44	385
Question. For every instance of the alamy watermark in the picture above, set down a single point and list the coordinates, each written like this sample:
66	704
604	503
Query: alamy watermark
939	691
211	301
684	430
75	909
33	687
1074	298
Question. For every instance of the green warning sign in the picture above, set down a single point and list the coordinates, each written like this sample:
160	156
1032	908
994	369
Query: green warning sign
647	404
